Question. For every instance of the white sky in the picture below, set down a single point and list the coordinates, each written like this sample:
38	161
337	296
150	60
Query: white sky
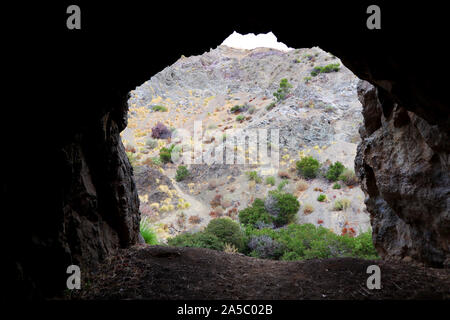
251	41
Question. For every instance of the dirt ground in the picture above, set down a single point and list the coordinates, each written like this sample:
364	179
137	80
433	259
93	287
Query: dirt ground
160	272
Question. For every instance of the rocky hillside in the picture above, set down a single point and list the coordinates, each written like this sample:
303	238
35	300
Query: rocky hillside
319	116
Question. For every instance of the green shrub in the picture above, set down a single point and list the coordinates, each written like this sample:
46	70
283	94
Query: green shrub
341	204
283	91
265	247
156	161
334	171
131	158
147	232
159	108
308	167
237	108
299	242
329	108
271	106
321	198
255	213
348	177
227	231
182	173
240	118
165	154
270	180
253	175
307	79
151	143
197	240
334	67
336	186
294	242
282	206
282	184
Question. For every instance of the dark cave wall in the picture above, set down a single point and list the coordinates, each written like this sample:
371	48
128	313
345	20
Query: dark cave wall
403	165
83	209
83	202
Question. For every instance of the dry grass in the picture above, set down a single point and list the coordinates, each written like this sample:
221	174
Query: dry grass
229	248
216	201
194	219
129	148
216	213
302	185
284	175
308	209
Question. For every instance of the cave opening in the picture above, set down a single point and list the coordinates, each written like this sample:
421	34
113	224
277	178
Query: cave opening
227	133
91	208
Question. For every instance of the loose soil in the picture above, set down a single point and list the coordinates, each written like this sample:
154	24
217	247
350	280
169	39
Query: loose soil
161	272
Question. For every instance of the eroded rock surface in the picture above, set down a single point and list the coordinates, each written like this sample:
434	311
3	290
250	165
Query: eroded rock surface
403	163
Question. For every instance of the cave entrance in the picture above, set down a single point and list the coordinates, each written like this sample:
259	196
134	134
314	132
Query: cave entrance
298	107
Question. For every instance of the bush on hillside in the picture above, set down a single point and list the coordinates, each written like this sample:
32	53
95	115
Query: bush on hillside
160	131
334	171
165	154
227	230
270	180
159	108
238	108
254	214
271	106
308	167
334	67
182	173
283	90
151	143
348	177
306	241
147	232
341	204
282	207
197	240
253	176
264	247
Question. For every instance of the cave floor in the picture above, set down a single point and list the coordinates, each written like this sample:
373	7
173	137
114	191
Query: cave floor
160	272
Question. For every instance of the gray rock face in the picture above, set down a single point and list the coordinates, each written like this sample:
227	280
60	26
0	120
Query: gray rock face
90	208
403	164
101	209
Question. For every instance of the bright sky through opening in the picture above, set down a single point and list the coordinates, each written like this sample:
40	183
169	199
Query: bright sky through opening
251	41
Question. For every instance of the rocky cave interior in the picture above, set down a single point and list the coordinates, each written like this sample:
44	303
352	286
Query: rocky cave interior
89	206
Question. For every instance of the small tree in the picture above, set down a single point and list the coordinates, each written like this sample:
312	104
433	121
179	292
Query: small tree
182	173
165	154
282	207
283	91
334	171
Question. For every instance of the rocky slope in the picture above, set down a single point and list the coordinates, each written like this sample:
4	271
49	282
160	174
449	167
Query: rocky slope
319	117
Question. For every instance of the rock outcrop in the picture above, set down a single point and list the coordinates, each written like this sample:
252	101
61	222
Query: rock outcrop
403	164
85	208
